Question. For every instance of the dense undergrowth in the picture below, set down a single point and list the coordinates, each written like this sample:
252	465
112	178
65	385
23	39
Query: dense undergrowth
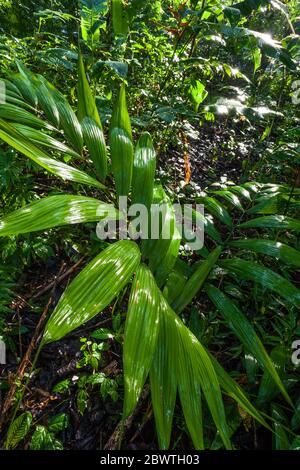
150	344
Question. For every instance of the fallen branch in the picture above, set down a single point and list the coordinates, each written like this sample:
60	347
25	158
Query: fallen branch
124	427
32	346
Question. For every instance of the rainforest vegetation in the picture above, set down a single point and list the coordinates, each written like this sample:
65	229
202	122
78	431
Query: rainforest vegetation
141	342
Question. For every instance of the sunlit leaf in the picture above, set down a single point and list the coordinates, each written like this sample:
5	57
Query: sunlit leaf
93	289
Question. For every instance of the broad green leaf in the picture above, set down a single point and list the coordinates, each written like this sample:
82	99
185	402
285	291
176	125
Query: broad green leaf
175	284
189	388
204	374
198	93
93	289
215	208
41	138
91	14
163	377
119	17
120	116
235	391
267	278
257	57
144	165
121	150
268	389
157	220
280	438
121	146
209	226
273	221
25	146
270	248
168	261
42	439
58	423
26	88
268	205
54	211
86	101
241	192
245	332
18	429
121	68
141	332
230	197
164	250
94	138
69	124
196	281
46	100
13	113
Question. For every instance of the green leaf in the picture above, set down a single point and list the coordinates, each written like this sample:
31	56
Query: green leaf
268	389
273	221
94	138
86	101
25	146
235	391
120	116
41	138
168	262
45	99
204	374
91	11
141	332
163	251
26	88
119	17
245	332
281	441
198	93
196	281
163	377
270	248
58	423
54	211
13	113
121	150
144	166
42	439
70	124
189	388
230	197
267	278
121	68
121	146
18	430
215	208
93	289
176	283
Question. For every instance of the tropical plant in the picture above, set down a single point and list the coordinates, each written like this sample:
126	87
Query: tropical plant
157	341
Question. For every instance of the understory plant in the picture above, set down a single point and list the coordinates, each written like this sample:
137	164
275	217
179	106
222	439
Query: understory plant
242	235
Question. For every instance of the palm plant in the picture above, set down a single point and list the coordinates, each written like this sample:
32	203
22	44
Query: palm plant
157	342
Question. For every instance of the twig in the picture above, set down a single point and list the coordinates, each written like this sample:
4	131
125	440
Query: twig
23	366
27	358
58	279
123	427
